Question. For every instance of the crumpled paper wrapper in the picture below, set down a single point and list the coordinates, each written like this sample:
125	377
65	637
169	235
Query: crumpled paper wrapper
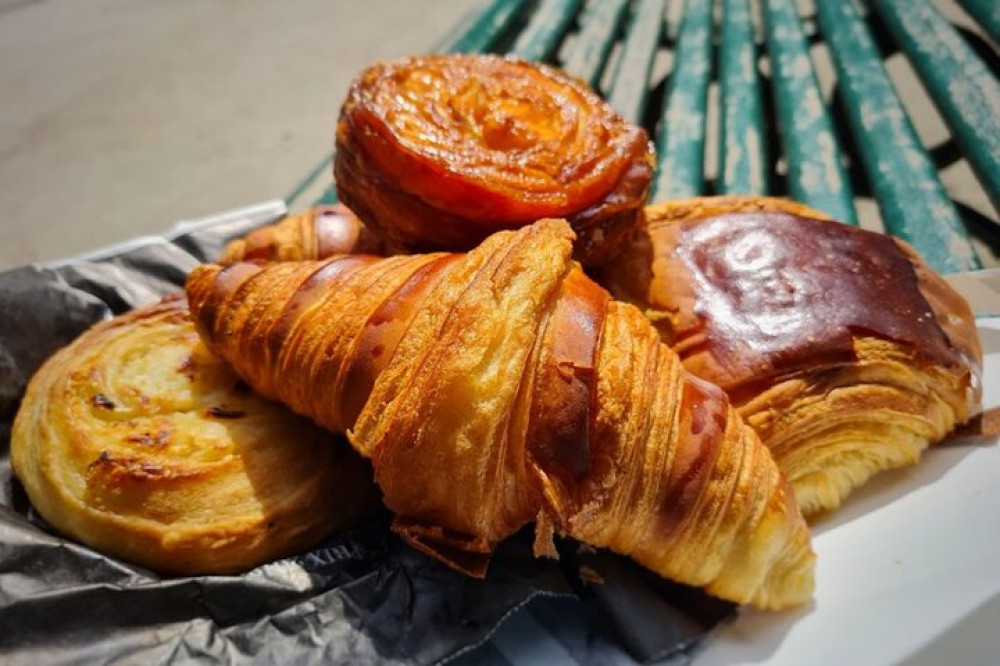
361	597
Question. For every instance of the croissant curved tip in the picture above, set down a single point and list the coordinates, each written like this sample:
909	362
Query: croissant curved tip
199	284
791	583
788	584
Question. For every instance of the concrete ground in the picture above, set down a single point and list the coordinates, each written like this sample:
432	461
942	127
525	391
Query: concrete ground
120	117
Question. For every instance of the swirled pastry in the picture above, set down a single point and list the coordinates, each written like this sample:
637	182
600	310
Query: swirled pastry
840	347
322	231
503	387
139	442
438	152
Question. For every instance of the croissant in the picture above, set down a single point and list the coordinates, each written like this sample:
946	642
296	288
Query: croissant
504	386
136	440
840	347
321	231
438	152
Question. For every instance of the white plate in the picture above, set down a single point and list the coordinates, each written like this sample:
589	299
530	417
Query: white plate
908	569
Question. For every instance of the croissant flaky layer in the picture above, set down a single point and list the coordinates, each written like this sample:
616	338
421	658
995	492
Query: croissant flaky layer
438	152
138	441
840	347
502	387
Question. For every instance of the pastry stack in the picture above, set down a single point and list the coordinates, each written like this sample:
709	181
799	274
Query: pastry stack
507	334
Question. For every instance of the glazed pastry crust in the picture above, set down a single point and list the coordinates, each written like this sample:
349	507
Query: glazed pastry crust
844	409
139	442
438	152
502	387
318	232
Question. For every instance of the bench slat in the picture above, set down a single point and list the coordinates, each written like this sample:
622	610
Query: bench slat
599	28
630	90
329	197
816	175
964	90
986	13
681	135
494	21
545	30
912	200
742	150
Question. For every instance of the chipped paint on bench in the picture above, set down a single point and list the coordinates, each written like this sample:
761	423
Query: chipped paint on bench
681	135
913	202
630	90
964	90
816	175
495	20
539	39
598	29
742	152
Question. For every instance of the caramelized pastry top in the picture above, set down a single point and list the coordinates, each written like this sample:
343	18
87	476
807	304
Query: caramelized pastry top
441	151
761	293
793	289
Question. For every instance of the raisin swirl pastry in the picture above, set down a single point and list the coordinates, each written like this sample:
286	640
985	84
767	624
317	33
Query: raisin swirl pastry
839	346
139	442
438	152
502	387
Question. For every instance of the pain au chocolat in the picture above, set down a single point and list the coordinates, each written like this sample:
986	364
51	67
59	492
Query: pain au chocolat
502	387
439	152
839	346
139	442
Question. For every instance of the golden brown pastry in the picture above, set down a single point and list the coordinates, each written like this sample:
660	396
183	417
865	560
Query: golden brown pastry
840	347
322	231
137	441
503	387
438	152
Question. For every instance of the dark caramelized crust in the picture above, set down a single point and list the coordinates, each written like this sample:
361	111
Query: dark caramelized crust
317	233
504	386
565	389
438	152
955	319
790	292
839	345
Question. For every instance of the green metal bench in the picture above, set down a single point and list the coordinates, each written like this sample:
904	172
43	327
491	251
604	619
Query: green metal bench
776	132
